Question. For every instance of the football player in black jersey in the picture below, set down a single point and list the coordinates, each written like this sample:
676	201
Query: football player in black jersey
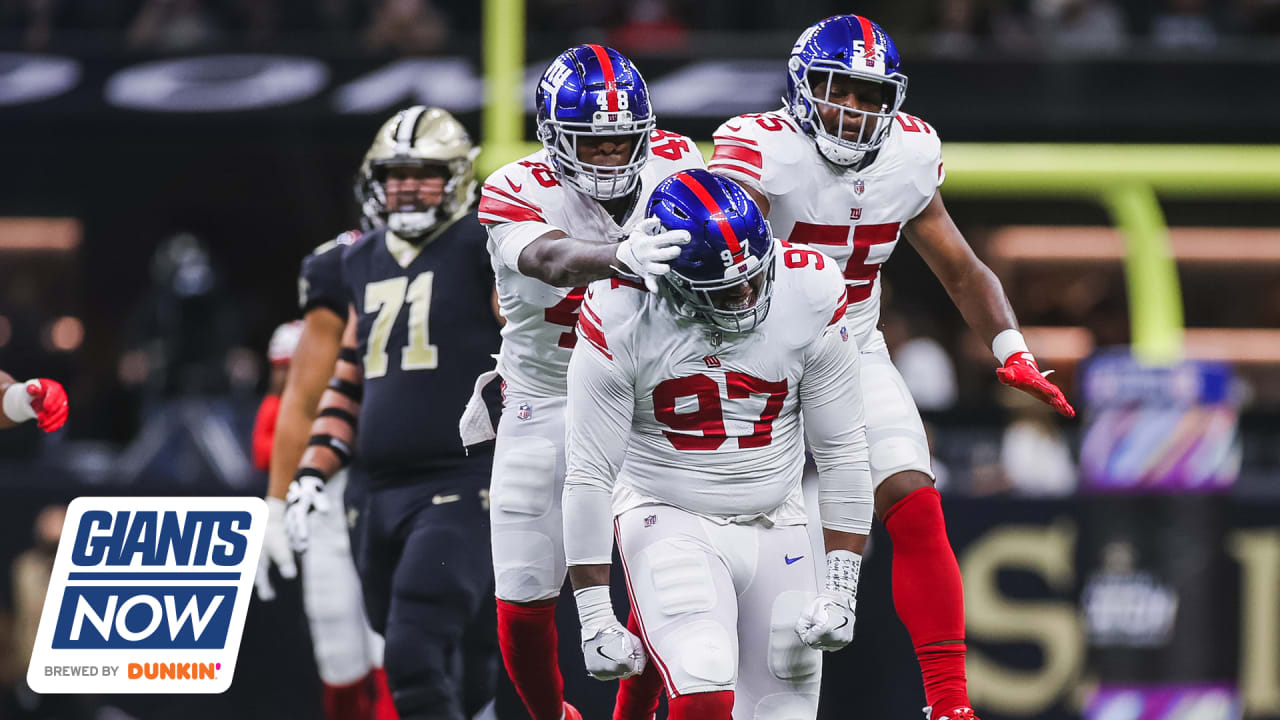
420	328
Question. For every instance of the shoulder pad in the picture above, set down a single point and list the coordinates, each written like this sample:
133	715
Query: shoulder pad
516	191
918	139
609	309
320	281
921	151
816	278
763	150
349	237
675	151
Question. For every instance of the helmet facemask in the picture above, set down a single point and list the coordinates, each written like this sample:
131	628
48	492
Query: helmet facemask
418	137
695	299
602	182
875	123
413	223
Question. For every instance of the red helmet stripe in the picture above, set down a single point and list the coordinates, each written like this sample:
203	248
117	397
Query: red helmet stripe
868	37
716	214
610	83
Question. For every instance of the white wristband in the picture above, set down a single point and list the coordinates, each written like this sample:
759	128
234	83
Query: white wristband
1007	344
843	568
595	607
17	403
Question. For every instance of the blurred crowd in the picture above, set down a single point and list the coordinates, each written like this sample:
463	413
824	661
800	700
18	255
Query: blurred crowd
436	26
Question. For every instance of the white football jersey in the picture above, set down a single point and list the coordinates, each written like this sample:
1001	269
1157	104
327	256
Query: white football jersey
683	414
853	216
523	201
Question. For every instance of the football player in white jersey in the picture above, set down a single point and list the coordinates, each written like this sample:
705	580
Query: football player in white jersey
558	219
841	168
685	441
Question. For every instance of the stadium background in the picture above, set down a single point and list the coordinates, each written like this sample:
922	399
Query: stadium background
1090	592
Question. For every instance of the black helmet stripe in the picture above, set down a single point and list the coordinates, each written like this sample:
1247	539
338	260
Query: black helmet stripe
407	128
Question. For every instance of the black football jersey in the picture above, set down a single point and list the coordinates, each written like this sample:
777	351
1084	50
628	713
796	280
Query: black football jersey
320	280
426	329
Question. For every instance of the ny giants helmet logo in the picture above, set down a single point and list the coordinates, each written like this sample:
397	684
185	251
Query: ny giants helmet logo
555	77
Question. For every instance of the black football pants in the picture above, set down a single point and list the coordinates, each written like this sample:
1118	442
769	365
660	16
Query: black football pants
422	551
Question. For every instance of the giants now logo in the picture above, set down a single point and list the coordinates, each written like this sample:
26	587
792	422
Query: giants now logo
148	595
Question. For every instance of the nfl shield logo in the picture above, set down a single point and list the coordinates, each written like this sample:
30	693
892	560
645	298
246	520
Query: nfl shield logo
859	186
844	334
525	411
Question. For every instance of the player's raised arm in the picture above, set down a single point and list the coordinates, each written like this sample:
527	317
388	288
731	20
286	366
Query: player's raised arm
332	436
39	399
831	404
600	407
549	254
976	290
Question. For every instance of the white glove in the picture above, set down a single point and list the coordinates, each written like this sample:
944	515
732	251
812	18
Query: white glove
648	249
275	551
306	493
827	624
610	652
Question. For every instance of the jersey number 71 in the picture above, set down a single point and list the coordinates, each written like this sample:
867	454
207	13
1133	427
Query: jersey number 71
386	297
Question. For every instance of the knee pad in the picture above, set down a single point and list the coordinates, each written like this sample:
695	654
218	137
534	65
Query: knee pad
423	677
681	577
707	654
789	658
786	706
895	433
528	554
524	478
335	610
527	566
436	590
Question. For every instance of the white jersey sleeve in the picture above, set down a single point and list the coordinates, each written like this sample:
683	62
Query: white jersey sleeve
920	151
599	414
512	212
831	404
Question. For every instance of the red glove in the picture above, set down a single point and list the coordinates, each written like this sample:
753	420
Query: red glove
49	401
264	431
1020	371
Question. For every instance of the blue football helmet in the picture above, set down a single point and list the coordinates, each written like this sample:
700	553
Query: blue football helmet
731	244
853	46
594	90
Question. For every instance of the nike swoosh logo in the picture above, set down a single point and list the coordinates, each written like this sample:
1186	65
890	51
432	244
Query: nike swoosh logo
792	560
733	128
513	185
442	499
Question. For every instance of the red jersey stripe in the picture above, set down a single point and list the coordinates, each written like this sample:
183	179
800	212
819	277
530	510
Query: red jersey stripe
734	152
506	211
844	304
734	138
722	168
512	198
589	328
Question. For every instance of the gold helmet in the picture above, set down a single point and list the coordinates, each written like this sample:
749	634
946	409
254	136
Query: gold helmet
418	136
